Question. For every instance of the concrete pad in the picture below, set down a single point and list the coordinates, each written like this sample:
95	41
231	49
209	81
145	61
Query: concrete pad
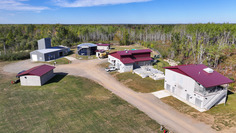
70	58
161	94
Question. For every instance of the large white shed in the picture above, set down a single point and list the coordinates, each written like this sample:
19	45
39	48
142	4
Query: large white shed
36	76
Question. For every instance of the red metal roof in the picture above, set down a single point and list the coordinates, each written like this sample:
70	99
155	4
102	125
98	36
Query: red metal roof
103	44
197	73
38	70
130	52
132	56
127	60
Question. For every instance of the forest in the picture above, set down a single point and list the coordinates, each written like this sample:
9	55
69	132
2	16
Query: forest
203	43
211	44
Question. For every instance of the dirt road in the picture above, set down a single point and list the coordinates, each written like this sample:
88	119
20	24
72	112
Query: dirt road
147	103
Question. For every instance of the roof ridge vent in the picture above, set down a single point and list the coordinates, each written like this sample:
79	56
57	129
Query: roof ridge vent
208	70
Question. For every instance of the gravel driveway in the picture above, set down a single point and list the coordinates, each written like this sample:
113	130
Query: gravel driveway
147	103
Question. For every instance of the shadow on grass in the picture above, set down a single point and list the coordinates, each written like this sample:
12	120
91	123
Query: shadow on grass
230	92
58	77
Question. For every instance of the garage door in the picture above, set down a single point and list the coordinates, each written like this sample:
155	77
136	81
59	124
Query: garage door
34	57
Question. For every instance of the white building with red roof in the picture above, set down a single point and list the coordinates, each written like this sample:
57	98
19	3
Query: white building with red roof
126	61
101	46
197	85
36	76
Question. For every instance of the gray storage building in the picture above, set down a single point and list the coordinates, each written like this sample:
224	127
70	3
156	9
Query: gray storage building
45	52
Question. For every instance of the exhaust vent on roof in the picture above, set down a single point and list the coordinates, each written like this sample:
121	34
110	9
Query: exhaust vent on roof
208	70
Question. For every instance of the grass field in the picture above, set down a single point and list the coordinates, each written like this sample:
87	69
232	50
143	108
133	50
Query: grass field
130	47
60	61
160	64
219	117
67	104
137	83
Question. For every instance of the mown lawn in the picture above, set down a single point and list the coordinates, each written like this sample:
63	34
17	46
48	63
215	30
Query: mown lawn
60	61
221	117
160	64
139	84
68	104
129	47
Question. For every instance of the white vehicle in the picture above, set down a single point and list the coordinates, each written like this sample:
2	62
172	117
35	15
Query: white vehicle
110	69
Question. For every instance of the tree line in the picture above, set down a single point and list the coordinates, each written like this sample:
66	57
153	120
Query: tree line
193	43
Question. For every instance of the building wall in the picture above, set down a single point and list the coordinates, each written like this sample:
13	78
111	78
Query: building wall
44	43
103	47
86	51
119	65
126	67
141	63
46	77
182	86
40	56
97	54
30	80
114	61
47	56
53	55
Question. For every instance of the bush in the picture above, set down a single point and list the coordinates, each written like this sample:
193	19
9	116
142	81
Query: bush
15	56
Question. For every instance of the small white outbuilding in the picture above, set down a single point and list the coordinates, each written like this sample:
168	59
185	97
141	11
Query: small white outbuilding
36	76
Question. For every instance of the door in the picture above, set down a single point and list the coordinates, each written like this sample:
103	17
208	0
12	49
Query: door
61	54
187	97
198	102
34	57
118	66
173	89
168	87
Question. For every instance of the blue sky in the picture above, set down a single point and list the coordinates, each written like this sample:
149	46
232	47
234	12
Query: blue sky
117	11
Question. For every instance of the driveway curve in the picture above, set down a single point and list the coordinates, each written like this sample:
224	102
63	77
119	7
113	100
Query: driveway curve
145	102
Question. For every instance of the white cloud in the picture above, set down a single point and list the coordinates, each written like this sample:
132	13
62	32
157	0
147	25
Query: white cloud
89	3
18	5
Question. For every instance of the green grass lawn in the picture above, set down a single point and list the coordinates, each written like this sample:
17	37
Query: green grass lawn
130	47
219	117
68	104
139	84
60	61
160	64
